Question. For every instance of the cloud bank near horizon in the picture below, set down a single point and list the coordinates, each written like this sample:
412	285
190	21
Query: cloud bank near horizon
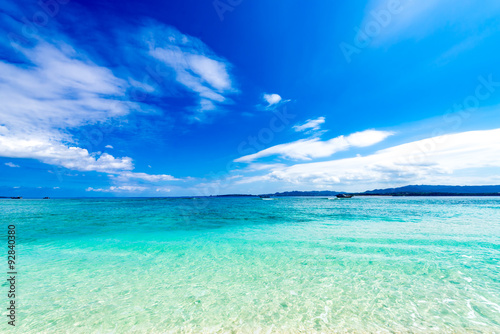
444	159
308	149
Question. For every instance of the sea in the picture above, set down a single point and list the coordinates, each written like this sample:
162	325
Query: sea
247	265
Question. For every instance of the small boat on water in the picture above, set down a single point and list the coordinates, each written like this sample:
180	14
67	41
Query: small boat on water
46	198
265	197
344	196
17	197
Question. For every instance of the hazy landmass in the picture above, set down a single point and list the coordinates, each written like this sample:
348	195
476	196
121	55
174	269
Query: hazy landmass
411	190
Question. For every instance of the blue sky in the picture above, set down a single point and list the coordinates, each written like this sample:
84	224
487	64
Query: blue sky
164	98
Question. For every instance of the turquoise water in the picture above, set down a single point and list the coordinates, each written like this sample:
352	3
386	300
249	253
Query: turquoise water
231	265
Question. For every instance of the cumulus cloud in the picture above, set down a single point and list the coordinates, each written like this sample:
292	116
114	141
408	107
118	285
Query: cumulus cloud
10	164
307	149
310	124
271	99
432	160
271	102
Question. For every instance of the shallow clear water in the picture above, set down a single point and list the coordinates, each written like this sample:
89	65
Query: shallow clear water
247	265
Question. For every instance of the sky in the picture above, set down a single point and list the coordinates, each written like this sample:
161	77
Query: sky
195	98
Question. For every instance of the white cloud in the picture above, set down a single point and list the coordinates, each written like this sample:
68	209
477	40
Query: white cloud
56	153
212	71
114	189
125	181
259	166
272	99
271	102
307	149
165	190
56	91
59	89
10	164
146	177
310	124
436	160
196	67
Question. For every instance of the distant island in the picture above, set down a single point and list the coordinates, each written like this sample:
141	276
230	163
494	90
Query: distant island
424	190
411	190
307	193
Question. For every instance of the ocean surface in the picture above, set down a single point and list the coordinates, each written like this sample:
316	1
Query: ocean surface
246	265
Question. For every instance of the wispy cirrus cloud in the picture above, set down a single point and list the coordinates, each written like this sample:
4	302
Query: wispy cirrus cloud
310	125
307	149
55	90
51	88
197	68
11	164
